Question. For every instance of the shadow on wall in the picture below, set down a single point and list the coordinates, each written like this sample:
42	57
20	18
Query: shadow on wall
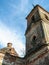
9	59
46	61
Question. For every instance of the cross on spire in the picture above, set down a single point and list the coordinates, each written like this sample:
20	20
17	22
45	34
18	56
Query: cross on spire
33	5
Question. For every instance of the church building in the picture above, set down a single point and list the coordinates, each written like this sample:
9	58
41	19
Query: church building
37	41
37	37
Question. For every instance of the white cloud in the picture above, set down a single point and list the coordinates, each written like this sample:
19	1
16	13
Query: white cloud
7	35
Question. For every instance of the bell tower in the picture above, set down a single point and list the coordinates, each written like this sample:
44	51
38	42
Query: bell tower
37	32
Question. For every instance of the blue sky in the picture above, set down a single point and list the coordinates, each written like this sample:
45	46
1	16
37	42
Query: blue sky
13	23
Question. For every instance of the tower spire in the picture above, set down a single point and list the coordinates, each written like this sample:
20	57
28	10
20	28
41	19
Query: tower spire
33	5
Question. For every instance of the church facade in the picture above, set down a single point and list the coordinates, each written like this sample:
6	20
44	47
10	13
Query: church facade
37	41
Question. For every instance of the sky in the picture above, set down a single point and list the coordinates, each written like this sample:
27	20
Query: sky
13	22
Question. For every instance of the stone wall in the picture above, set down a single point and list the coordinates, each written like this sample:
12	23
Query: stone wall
39	58
37	31
7	59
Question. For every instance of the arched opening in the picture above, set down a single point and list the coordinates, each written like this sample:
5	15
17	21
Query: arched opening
34	37
33	40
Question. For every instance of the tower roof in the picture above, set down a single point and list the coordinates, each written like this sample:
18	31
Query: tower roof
36	8
37	14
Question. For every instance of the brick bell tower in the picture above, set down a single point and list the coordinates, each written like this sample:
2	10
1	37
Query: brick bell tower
37	32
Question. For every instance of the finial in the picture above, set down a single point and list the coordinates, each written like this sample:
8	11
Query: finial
33	5
9	45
